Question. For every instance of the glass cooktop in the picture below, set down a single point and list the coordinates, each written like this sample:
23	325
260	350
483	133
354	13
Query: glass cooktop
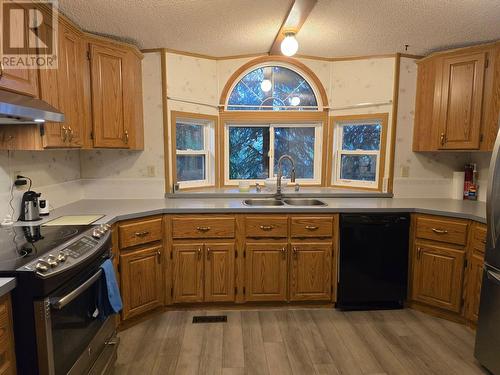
20	245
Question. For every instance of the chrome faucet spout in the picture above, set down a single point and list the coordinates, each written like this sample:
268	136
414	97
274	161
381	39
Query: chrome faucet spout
280	174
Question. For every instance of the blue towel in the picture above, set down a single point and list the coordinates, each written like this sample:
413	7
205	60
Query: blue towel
109	300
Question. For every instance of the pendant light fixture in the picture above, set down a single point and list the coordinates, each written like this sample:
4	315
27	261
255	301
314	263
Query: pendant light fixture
289	45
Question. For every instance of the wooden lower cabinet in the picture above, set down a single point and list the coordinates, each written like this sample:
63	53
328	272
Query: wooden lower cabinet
266	271
219	272
438	274
473	292
142	280
7	356
310	271
203	272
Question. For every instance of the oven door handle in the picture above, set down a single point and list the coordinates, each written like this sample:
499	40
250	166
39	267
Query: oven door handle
59	303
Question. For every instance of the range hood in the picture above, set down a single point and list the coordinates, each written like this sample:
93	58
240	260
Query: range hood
22	109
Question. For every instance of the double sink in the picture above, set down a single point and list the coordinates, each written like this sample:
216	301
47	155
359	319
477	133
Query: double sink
303	202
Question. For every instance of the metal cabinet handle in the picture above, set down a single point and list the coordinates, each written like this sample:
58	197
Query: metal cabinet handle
70	133
158	255
199	253
208	253
439	231
283	252
142	234
267	227
126	137
311	227
419	253
483	241
65	133
493	276
295	251
203	229
442	139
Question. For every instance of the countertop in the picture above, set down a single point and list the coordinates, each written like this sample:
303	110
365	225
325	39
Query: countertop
6	285
121	209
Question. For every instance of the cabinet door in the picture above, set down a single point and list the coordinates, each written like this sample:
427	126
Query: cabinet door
188	273
473	294
141	278
438	276
311	270
23	81
461	102
219	272
266	271
108	72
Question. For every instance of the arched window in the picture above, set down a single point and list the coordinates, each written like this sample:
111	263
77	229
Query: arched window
272	88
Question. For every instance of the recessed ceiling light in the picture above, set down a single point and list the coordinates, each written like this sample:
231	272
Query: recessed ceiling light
289	45
266	85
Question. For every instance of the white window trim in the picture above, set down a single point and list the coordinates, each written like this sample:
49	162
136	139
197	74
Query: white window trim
338	152
208	151
318	151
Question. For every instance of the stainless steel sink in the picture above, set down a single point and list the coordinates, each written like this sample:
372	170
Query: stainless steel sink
304	202
277	202
263	202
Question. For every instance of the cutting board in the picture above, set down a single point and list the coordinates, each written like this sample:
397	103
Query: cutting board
74	220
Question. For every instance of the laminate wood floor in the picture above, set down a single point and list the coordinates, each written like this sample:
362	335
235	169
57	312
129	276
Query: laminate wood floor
297	341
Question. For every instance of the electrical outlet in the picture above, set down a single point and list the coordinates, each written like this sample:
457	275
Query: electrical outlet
405	171
151	171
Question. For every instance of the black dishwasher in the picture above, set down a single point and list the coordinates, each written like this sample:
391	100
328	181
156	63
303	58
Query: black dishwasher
373	266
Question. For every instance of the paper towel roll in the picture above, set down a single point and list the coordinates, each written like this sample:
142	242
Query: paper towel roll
457	190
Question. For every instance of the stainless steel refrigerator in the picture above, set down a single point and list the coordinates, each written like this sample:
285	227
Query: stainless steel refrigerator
487	349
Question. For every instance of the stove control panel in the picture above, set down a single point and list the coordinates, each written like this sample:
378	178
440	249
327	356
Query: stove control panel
69	254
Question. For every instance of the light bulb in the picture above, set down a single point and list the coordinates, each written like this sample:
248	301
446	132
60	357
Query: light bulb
289	45
295	100
266	85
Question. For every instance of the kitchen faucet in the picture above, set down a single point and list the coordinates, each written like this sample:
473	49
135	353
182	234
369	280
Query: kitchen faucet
278	194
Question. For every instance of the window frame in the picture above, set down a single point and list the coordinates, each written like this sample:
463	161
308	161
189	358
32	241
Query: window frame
336	141
210	124
318	150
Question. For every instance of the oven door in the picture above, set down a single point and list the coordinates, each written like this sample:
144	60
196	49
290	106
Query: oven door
71	334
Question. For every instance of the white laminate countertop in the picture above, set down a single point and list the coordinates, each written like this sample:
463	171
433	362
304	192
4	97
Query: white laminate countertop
6	285
121	209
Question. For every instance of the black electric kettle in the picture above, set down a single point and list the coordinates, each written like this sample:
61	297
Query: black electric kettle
29	206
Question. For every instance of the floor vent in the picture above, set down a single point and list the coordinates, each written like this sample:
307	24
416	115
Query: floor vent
210	319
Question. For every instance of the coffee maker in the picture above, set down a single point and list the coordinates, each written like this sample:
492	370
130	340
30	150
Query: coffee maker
29	206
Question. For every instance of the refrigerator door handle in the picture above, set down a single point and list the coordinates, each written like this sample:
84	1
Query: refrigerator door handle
493	276
490	200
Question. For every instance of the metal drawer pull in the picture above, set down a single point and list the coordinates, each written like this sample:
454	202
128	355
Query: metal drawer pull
267	227
295	251
283	251
311	227
59	303
203	229
142	234
439	231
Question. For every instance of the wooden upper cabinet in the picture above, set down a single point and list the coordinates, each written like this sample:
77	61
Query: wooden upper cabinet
311	271
438	273
63	88
458	99
141	276
188	272
266	271
108	78
461	101
219	272
22	81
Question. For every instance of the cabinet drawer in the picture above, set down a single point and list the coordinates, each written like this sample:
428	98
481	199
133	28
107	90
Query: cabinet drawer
443	230
478	240
134	233
311	226
207	227
265	226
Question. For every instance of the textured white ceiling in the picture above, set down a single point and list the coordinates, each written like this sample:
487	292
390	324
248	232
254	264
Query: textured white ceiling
334	28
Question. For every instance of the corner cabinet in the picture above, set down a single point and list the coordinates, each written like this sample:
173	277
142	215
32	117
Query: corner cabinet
458	100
